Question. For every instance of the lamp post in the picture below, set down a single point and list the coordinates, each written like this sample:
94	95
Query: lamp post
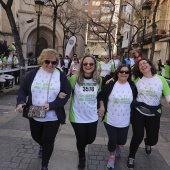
146	7
38	8
65	39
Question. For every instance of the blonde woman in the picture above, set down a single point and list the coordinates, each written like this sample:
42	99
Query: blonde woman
36	84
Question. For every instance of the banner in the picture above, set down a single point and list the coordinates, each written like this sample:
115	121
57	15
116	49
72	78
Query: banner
70	44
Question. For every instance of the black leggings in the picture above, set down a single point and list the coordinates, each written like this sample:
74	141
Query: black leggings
140	123
85	134
117	136
44	134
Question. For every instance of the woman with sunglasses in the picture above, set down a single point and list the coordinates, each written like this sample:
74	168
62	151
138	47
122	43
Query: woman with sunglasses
83	109
115	103
49	87
105	68
147	107
74	67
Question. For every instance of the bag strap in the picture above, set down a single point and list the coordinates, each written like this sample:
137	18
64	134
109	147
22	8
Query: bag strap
49	85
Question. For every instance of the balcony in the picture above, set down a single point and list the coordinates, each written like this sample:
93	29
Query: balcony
162	31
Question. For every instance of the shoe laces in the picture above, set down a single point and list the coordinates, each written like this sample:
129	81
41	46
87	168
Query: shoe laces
111	159
131	161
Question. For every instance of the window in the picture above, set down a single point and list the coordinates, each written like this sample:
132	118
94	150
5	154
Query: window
95	3
95	12
95	19
106	2
124	8
105	9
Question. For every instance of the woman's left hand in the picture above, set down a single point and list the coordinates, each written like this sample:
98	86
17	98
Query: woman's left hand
101	111
46	107
62	95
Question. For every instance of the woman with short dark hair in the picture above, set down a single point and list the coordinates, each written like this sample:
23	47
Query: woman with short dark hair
147	107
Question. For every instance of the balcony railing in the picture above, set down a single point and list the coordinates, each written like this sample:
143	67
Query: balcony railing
161	30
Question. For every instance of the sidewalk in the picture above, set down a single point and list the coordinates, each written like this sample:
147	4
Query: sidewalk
19	151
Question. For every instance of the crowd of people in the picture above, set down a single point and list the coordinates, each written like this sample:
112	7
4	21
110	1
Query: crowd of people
121	92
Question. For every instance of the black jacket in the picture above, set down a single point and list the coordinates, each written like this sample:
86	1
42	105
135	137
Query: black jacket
57	104
104	94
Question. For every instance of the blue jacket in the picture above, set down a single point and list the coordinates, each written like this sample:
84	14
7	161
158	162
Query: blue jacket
127	61
57	104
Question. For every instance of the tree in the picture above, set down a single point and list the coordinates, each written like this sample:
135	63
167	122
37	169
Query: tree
72	18
7	7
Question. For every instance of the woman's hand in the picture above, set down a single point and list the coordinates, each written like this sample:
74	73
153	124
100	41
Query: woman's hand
20	107
101	111
62	95
109	80
46	107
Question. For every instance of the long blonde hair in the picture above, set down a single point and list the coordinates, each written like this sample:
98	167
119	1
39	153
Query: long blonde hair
80	72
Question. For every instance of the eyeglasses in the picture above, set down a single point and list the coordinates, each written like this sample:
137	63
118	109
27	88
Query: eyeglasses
144	63
123	71
48	62
90	64
106	58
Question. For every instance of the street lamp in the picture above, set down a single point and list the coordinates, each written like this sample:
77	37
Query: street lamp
38	8
146	7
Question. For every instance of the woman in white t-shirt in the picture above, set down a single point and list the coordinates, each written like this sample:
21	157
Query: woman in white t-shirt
147	112
83	109
66	61
115	99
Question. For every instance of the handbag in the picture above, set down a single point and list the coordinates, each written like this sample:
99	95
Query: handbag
38	111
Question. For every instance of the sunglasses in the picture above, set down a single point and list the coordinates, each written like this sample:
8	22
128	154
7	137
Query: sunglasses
48	62
123	71
106	58
90	64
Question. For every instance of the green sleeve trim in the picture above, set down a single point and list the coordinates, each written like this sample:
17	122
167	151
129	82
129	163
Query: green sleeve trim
166	89
72	81
135	80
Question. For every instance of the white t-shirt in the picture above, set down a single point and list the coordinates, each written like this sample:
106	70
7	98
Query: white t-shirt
83	108
66	61
39	89
118	108
116	63
132	62
105	69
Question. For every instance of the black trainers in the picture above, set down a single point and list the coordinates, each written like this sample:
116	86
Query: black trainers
130	164
82	163
148	149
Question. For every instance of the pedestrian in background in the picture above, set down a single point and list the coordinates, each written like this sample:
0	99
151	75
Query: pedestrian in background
115	100
83	109
44	86
131	59
105	68
66	61
147	108
138	55
74	67
115	61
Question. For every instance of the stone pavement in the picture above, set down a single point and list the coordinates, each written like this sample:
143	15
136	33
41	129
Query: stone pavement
19	152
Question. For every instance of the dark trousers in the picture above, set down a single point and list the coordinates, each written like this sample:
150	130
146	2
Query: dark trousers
44	134
117	136
85	134
140	122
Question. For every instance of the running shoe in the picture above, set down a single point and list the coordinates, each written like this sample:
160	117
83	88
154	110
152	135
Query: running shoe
148	149
111	162
82	163
44	168
130	164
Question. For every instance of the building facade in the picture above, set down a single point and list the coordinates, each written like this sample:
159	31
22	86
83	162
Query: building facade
26	21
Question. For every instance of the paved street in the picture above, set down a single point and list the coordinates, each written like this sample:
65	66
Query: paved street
19	152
